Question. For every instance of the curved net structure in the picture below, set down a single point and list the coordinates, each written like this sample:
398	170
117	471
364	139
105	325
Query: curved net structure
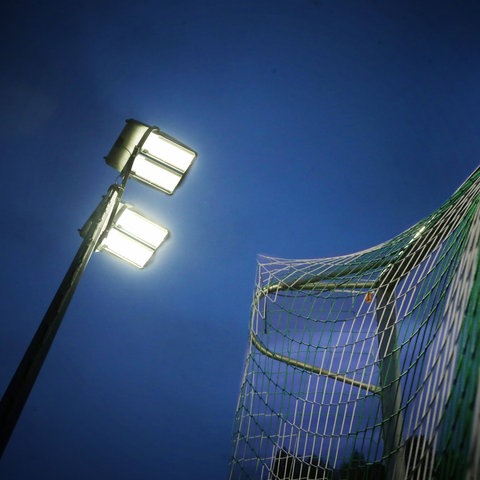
366	366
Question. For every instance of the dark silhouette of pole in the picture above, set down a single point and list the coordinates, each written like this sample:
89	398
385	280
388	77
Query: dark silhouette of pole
21	384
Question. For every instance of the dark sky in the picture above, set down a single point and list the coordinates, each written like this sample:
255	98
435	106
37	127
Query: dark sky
322	128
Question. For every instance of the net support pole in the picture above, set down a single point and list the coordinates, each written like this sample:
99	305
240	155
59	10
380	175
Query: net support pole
390	394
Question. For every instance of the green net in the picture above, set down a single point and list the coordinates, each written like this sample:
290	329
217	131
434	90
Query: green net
366	365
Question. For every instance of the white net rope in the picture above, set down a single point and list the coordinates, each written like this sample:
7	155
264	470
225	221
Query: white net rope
366	365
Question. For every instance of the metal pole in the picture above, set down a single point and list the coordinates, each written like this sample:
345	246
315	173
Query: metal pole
21	384
391	394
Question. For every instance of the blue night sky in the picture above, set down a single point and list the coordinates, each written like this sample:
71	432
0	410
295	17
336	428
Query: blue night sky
322	128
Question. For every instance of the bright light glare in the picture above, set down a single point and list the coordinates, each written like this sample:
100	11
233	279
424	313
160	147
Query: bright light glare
133	237
155	174
127	248
139	227
175	155
158	159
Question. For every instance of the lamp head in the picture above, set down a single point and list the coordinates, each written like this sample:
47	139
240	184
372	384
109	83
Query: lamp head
156	159
133	237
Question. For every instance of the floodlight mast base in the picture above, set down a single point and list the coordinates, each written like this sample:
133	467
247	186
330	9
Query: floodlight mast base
21	384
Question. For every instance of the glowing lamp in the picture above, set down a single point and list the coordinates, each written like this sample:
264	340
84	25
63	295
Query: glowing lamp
132	237
150	156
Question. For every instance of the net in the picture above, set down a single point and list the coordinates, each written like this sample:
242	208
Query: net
366	365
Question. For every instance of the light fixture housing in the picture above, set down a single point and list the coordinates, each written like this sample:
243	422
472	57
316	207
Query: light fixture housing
133	237
159	160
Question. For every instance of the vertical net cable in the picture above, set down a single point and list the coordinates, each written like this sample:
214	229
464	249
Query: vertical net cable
365	366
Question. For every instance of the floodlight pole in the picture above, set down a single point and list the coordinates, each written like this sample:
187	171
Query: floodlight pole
99	223
22	382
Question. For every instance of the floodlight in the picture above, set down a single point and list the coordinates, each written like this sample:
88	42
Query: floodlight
132	237
148	171
150	156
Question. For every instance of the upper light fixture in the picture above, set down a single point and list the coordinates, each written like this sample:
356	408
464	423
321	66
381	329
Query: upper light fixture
150	156
133	237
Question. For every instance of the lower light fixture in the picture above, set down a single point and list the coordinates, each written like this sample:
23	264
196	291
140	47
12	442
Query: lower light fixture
133	237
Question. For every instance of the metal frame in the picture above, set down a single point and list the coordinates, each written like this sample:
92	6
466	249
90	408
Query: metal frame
424	239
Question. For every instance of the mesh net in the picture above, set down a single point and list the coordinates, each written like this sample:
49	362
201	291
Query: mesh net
366	365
